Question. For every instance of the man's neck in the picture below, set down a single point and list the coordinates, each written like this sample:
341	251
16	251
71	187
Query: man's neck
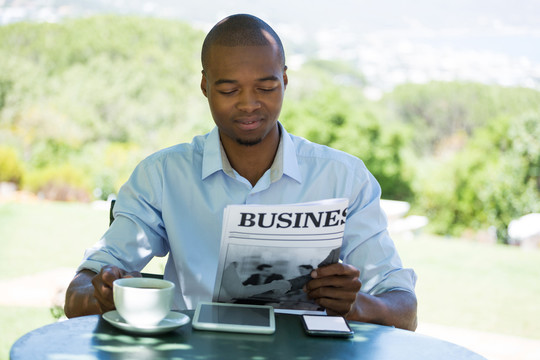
252	161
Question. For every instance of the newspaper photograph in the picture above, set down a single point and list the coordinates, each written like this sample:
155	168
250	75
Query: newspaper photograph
268	252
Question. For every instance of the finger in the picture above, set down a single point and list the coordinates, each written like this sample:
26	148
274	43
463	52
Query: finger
133	274
110	273
335	301
103	286
333	293
340	269
352	284
105	300
103	295
335	307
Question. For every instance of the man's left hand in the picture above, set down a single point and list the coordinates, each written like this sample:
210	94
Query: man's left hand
334	287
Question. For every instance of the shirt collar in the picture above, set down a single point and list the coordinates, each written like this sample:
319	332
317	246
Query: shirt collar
289	160
212	155
285	161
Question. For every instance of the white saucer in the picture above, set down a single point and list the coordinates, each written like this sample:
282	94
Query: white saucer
172	321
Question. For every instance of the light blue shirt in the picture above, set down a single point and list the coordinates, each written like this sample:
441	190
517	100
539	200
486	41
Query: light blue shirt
174	201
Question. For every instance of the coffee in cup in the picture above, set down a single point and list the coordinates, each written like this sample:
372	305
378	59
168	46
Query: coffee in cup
143	302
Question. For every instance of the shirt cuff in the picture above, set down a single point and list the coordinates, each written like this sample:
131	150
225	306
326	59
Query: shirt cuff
401	279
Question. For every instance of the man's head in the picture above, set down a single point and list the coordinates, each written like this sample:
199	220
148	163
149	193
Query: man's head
244	79
241	30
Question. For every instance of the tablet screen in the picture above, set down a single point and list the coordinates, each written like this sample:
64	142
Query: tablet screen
234	317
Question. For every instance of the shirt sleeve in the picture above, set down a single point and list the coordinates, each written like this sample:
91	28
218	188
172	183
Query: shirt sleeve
367	243
137	233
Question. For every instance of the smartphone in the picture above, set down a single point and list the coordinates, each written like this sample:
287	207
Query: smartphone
323	325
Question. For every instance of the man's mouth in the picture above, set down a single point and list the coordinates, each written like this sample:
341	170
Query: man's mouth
250	124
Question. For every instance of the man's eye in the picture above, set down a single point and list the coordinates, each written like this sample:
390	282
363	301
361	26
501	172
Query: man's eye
227	92
267	89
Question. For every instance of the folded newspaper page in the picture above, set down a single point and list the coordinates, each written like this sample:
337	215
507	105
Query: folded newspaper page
268	252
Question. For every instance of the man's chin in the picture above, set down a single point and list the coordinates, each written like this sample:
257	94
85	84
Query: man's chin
249	142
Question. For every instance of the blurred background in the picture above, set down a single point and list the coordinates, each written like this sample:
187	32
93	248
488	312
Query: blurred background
440	99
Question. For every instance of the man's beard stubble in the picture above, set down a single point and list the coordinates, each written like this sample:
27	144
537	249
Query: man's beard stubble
248	142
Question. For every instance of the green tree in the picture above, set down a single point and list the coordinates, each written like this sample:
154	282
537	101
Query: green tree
326	105
492	181
107	79
443	112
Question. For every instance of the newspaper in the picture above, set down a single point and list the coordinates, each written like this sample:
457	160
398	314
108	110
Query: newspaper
268	252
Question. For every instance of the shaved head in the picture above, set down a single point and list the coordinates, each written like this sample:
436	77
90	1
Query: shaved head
241	30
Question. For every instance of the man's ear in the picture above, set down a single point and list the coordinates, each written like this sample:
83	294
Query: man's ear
285	78
203	84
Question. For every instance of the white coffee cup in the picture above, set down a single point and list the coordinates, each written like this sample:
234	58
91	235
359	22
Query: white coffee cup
143	302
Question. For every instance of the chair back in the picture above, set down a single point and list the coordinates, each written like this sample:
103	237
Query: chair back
111	216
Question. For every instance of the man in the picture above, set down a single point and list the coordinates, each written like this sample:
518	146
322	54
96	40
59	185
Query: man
174	200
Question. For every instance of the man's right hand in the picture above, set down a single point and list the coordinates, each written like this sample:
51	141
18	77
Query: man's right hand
90	293
103	285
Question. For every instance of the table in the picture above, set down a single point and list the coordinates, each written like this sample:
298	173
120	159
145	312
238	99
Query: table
91	337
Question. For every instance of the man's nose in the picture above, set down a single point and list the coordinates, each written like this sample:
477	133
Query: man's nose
248	101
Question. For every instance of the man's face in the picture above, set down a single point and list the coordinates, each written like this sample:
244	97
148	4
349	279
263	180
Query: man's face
245	87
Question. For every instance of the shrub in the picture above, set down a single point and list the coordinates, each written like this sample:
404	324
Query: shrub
493	180
11	168
62	183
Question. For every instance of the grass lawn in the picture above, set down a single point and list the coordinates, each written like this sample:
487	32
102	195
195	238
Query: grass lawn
46	235
38	237
483	287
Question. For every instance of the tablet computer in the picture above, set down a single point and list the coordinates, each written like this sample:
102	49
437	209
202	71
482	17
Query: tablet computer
258	319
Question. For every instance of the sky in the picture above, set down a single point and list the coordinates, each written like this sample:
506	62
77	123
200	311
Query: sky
390	41
511	27
498	25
